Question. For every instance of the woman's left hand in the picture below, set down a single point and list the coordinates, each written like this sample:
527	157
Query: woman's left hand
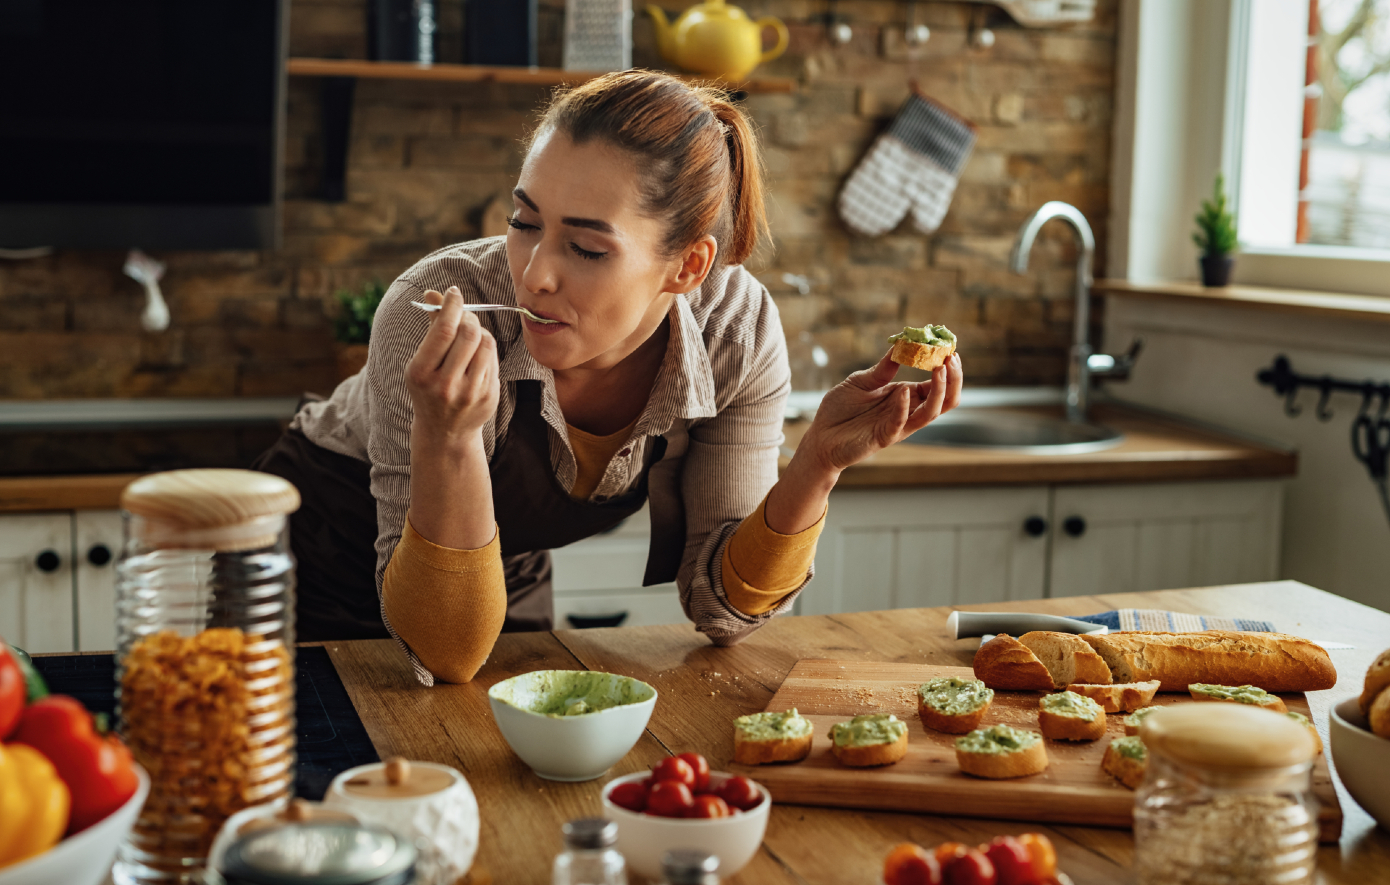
869	411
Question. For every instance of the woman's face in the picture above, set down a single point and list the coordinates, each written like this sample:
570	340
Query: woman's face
582	252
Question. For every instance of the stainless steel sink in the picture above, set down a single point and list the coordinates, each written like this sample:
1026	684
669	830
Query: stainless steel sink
1016	432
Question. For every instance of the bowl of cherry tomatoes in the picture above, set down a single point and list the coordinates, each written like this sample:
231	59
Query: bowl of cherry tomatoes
680	803
1029	859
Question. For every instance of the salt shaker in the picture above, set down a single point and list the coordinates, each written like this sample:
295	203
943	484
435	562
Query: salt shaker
589	857
1226	798
684	866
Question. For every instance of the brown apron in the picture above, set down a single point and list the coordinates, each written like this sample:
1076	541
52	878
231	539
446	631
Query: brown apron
333	534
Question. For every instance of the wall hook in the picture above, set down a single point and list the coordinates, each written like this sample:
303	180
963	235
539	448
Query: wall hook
1324	411
1291	408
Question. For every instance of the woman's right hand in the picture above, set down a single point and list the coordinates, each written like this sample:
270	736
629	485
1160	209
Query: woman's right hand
452	378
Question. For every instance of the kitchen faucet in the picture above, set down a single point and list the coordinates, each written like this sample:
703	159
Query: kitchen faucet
1082	362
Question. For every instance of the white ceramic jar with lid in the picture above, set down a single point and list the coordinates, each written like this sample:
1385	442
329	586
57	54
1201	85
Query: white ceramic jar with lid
1226	798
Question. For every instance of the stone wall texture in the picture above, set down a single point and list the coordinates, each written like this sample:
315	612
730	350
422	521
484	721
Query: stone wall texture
426	158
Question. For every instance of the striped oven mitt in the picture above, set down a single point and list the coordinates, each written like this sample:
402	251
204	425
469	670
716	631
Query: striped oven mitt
914	165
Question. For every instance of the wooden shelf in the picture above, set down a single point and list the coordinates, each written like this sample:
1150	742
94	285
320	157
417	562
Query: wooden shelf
1366	308
400	70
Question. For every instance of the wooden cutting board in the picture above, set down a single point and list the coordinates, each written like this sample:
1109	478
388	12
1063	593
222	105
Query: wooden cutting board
1072	790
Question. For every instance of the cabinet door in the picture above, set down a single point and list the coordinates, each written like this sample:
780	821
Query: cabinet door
98	542
602	577
1164	535
36	581
906	548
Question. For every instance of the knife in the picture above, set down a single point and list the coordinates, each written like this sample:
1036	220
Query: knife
986	624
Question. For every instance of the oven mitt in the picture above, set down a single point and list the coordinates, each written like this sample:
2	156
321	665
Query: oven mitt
914	165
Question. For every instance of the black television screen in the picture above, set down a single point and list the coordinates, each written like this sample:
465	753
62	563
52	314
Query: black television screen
141	123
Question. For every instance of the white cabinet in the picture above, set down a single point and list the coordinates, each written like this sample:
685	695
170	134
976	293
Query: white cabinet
906	548
36	586
97	543
1121	539
598	579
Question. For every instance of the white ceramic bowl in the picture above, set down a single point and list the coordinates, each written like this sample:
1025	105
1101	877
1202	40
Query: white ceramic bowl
85	858
570	748
644	838
1362	759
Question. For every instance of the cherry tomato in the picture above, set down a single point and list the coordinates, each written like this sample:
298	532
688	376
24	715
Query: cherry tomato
970	868
949	851
910	864
740	793
1013	865
709	806
1043	855
669	799
631	795
701	768
674	768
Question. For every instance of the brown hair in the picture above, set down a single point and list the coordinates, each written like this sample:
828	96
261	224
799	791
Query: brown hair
698	153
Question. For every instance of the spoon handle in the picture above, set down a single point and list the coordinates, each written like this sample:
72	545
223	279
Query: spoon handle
431	308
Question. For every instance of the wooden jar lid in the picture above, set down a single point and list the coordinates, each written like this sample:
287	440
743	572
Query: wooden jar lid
209	506
1231	737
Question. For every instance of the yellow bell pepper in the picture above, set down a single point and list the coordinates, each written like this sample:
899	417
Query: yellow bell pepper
34	804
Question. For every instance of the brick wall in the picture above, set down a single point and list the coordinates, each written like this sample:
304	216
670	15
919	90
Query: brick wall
426	157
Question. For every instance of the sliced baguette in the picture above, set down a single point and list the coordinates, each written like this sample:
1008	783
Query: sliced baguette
1272	661
755	752
1377	680
1022	762
1007	664
1067	658
1271	702
1125	769
921	356
1063	727
1135	719
871	755
1122	697
951	689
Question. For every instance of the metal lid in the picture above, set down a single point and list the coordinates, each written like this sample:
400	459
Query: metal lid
1230	737
590	832
327	853
687	866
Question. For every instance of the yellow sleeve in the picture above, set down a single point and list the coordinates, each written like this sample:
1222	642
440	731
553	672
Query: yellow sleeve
448	605
761	566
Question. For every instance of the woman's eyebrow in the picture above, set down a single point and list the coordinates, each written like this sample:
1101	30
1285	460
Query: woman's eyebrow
590	223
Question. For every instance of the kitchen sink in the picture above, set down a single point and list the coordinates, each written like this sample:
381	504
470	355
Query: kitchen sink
1015	431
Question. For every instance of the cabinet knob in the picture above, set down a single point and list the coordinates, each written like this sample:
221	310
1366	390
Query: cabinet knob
1074	526
1035	526
585	622
99	555
48	561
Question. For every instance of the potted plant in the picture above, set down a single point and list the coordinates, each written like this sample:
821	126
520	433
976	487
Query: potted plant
1216	237
352	327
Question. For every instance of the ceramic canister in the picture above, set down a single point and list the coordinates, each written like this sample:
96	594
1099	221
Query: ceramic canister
431	804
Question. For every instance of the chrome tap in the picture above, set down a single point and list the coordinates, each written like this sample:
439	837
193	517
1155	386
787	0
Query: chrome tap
1082	362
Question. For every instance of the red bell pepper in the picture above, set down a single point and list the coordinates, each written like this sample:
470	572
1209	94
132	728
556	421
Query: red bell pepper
12	691
96	767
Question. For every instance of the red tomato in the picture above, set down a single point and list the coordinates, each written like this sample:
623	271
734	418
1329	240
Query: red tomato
971	868
1040	849
701	768
1013	865
949	851
12	692
669	799
740	793
709	806
910	864
631	795
674	768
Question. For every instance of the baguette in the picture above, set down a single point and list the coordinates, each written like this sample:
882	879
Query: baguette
1067	658
1122	697
1237	694
873	739
1067	716
921	356
1377	680
1272	661
1007	664
1126	759
761	738
1001	751
953	706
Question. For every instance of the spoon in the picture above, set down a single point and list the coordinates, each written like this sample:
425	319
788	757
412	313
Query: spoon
431	308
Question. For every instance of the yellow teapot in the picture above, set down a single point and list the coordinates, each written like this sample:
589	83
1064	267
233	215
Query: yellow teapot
716	39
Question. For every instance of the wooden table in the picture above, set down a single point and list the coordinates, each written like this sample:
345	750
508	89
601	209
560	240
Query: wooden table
702	688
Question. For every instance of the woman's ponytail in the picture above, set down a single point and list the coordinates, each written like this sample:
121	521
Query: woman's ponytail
747	213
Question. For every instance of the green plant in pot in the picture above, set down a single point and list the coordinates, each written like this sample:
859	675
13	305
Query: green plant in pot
352	326
1216	237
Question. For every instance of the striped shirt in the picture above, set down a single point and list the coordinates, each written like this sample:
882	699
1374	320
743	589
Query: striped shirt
718	399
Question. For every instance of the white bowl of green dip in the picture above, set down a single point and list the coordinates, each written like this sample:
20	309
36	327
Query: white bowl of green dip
571	725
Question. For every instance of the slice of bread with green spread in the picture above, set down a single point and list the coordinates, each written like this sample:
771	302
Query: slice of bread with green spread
923	348
1068	716
1237	694
952	705
760	738
1126	759
872	739
1001	751
1135	719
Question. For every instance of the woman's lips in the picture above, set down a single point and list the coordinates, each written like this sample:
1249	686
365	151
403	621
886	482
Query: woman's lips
542	314
542	328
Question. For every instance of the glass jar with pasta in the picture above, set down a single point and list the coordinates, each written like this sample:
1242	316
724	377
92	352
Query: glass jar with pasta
204	659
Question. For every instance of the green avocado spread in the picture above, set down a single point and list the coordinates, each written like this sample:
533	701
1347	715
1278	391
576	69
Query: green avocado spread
1131	748
561	693
951	696
1299	718
868	730
1071	704
1134	719
928	334
772	726
997	739
1242	694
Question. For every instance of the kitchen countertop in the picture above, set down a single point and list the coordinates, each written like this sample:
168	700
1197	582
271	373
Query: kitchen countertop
703	688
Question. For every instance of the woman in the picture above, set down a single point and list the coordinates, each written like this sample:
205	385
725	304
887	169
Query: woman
436	480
